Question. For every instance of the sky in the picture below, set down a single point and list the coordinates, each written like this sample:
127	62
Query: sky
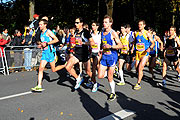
4	1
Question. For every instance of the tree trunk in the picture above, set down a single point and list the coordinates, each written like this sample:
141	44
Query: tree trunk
109	4
98	10
31	9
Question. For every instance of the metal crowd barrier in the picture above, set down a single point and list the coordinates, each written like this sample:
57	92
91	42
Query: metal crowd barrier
21	57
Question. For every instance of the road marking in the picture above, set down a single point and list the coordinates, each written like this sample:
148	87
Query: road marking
119	115
16	95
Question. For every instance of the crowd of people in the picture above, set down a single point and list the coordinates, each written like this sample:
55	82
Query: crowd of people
99	53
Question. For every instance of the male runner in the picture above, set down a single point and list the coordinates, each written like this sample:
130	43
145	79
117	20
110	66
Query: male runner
110	44
170	54
124	54
83	40
132	51
154	51
48	52
96	35
143	47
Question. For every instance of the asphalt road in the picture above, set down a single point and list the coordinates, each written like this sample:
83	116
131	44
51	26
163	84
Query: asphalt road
59	100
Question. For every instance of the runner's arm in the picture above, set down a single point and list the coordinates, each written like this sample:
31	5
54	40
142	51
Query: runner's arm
91	41
161	43
151	40
117	40
178	41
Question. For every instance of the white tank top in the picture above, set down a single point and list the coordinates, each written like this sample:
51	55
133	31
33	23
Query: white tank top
97	40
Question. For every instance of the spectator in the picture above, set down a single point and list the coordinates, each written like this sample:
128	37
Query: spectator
34	26
2	45
18	59
6	37
27	40
35	23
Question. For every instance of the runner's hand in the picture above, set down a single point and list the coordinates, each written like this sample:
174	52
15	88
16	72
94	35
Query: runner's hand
43	44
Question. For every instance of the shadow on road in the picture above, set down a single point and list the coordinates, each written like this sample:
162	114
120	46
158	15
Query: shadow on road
143	111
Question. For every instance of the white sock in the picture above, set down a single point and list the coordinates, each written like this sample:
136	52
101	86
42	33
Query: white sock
112	85
78	79
40	86
121	75
105	73
132	64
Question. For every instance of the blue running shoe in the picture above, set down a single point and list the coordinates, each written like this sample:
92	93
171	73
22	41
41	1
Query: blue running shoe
178	78
164	83
89	84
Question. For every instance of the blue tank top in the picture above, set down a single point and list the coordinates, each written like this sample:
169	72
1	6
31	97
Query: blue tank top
156	46
45	38
106	39
142	42
67	41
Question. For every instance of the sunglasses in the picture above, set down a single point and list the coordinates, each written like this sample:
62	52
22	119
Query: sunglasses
77	22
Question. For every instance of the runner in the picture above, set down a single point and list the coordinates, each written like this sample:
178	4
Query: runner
48	53
171	54
124	54
69	42
143	47
132	51
81	52
154	51
110	44
96	35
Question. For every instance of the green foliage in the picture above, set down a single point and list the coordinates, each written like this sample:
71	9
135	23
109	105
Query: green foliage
157	13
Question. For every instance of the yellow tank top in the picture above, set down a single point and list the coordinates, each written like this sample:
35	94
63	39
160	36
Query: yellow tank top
125	43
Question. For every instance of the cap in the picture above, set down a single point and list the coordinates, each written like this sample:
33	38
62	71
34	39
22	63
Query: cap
35	15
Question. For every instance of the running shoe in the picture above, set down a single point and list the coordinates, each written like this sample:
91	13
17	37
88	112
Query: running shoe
38	89
120	83
164	83
89	84
137	87
178	78
95	87
112	97
78	84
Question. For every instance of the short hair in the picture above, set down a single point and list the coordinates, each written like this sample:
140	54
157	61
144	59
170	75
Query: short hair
124	25
80	19
4	29
97	24
128	26
44	21
149	28
142	21
110	18
27	30
173	27
72	27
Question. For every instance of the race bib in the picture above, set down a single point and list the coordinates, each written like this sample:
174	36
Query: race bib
140	46
106	50
170	53
95	47
124	50
78	42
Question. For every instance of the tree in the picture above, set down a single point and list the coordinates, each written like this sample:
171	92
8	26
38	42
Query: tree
109	5
31	9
